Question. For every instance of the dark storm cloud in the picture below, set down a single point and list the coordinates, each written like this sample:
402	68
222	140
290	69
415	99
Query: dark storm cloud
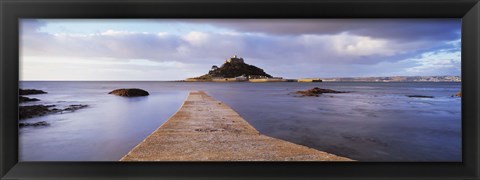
400	29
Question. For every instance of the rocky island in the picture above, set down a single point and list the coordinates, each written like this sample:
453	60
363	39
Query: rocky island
235	69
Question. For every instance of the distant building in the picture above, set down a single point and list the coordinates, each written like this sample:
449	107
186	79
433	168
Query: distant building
257	77
241	78
234	59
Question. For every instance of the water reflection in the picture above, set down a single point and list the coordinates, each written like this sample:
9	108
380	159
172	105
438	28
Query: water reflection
105	131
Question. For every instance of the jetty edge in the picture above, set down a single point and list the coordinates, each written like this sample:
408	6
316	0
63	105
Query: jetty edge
204	129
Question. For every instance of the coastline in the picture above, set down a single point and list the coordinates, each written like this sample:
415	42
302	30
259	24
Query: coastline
318	82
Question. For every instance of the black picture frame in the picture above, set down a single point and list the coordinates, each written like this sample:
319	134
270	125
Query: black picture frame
12	10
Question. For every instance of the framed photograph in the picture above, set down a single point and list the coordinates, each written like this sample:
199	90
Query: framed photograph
240	89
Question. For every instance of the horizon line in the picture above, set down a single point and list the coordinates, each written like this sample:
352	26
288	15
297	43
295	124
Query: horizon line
284	78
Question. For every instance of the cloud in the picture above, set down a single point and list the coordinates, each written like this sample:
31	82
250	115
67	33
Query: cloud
196	38
208	46
281	47
429	63
400	29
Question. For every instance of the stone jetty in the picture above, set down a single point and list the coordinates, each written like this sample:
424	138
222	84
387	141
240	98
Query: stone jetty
205	129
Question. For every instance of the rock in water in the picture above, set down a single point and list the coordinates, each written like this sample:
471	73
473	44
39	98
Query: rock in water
459	94
41	123
74	107
25	112
316	91
419	96
23	99
30	91
129	92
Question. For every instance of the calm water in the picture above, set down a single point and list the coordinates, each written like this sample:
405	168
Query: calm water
375	122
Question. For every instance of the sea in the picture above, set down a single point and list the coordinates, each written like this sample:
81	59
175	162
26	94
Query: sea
374	122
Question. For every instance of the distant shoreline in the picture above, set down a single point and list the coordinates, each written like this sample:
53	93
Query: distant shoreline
333	79
247	81
322	82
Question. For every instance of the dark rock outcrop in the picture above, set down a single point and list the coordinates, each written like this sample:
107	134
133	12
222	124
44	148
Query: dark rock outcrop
316	91
41	123
30	91
419	96
129	92
75	107
23	99
25	112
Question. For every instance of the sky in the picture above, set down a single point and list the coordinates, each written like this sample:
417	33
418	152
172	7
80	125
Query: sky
175	49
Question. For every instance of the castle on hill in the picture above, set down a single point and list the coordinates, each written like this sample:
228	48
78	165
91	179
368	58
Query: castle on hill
234	60
234	69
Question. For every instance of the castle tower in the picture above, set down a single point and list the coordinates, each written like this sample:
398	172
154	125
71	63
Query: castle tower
234	59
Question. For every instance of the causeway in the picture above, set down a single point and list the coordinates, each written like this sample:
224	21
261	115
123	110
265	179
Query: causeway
205	129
